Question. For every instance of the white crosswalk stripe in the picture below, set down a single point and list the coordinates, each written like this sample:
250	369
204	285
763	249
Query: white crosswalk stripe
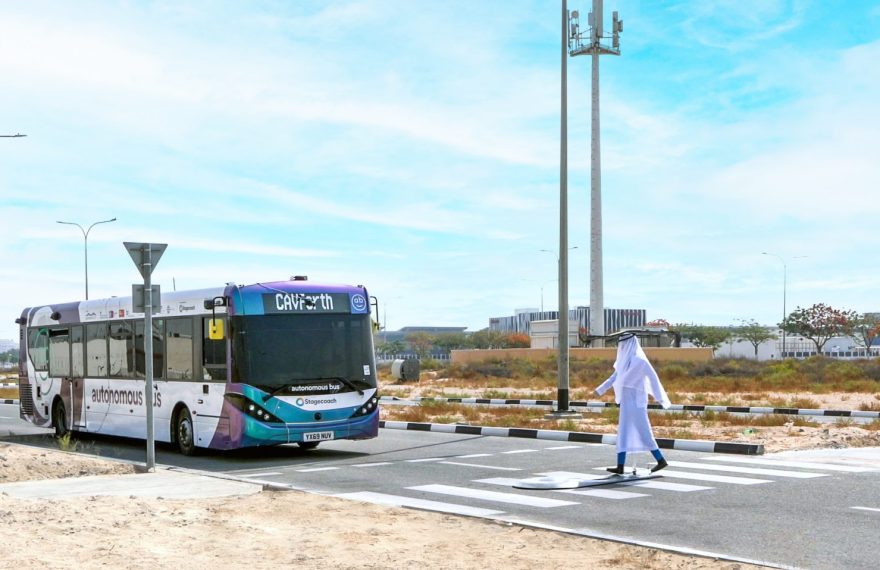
711	477
797	464
601	493
398	501
479	494
748	470
651	484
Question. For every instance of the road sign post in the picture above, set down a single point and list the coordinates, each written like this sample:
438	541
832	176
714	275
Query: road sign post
145	257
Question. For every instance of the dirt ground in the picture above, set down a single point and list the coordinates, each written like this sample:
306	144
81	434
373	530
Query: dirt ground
272	530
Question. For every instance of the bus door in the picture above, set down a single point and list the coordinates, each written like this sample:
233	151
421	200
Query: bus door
97	372
77	377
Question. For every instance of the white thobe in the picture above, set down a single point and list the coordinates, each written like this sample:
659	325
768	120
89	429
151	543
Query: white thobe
633	381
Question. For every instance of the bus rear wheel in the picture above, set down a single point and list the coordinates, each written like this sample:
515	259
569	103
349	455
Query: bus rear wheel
184	433
308	444
59	419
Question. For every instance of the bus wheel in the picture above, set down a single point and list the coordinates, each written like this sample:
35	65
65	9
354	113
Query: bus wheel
308	444
59	419
185	434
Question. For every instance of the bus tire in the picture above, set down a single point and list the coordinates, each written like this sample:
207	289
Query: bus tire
184	433
59	418
308	444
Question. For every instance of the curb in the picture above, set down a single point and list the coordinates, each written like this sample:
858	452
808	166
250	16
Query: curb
577	436
673	407
9	402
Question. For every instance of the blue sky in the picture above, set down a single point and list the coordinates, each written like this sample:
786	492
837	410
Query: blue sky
413	147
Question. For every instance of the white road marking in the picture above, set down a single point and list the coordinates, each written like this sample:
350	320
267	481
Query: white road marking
563	447
519	451
799	464
313	469
397	501
473	455
371	464
604	493
266	474
482	466
425	460
512	498
652	484
866	509
748	470
713	478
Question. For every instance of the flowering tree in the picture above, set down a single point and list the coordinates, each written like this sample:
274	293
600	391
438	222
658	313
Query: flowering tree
866	328
819	323
658	323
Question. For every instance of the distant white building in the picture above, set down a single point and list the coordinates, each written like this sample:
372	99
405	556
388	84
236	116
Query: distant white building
796	346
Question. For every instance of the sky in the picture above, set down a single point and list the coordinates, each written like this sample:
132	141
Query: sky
413	147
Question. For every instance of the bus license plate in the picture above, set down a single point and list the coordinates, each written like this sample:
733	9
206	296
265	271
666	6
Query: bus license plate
318	436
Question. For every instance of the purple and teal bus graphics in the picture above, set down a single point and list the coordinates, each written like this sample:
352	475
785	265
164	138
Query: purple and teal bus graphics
235	366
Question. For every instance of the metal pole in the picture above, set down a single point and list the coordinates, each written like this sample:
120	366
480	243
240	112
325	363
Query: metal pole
563	362
148	355
85	233
597	311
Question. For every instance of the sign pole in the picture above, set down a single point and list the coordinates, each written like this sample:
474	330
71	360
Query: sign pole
148	355
145	257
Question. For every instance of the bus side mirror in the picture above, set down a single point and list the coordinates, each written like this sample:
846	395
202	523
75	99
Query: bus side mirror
215	329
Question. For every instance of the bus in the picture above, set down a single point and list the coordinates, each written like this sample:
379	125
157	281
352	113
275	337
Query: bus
233	366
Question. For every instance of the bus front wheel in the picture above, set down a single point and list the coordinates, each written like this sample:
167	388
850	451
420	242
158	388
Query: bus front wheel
185	433
59	419
308	444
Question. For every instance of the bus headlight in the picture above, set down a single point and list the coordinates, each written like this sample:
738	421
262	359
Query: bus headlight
251	408
367	407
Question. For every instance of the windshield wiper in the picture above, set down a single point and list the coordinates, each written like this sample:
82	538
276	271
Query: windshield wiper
276	391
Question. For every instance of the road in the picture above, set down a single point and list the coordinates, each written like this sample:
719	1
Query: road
797	511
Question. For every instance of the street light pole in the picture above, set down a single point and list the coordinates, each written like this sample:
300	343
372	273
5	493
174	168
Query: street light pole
85	233
784	289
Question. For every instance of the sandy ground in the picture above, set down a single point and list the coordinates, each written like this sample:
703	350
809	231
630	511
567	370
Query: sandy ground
271	530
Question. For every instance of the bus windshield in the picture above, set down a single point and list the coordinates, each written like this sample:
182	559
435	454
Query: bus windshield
271	351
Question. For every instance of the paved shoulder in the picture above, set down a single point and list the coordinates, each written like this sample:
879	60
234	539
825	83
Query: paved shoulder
163	483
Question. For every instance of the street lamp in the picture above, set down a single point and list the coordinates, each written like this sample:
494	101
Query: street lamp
784	287
85	233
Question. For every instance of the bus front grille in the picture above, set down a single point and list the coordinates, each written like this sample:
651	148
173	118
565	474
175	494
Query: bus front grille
26	398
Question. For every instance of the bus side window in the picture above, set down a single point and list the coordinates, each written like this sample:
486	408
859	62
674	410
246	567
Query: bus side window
38	347
140	349
179	349
96	350
121	349
213	354
59	352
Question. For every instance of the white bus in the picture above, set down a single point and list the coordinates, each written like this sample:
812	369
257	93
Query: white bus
234	366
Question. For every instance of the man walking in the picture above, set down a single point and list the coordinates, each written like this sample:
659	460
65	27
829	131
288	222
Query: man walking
633	380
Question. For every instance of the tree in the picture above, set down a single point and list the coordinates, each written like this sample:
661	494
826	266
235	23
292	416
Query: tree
819	323
517	340
658	323
421	343
865	329
391	347
485	338
452	341
702	335
754	333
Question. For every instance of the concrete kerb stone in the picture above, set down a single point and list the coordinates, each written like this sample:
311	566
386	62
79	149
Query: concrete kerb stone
576	436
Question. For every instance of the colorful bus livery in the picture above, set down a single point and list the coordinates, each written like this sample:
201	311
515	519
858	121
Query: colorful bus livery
236	366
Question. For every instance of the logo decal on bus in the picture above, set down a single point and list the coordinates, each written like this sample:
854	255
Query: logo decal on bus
358	303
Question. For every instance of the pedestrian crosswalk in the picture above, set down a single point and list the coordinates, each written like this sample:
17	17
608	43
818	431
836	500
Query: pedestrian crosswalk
482	496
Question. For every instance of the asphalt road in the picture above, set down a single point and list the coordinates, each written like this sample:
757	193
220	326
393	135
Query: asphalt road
800	511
